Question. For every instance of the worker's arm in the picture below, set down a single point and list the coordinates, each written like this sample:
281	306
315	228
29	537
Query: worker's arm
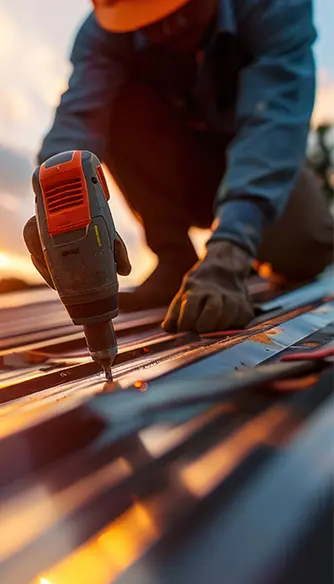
273	112
83	116
276	94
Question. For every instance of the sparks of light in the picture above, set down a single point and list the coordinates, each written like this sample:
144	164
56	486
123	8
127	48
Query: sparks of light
44	581
141	385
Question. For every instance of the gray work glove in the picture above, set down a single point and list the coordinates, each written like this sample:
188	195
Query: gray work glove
213	295
33	243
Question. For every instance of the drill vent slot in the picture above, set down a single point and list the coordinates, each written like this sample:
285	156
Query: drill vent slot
64	196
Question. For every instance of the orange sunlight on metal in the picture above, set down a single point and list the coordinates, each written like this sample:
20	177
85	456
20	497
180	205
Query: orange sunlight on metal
141	385
266	272
116	548
108	554
202	475
298	384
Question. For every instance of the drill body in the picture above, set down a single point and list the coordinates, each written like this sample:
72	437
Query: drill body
77	234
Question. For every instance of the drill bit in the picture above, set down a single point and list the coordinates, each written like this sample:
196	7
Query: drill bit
102	345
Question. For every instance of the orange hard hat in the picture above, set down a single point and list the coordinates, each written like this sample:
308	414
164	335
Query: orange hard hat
129	15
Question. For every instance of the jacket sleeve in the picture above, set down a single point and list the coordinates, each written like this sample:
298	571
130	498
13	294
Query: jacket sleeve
85	108
276	96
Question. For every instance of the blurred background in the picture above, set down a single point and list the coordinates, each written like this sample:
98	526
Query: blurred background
35	42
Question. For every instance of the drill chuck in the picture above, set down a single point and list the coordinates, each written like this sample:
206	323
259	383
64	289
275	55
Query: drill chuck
101	343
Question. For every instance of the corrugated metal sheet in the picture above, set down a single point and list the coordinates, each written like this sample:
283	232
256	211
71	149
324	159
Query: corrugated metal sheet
198	464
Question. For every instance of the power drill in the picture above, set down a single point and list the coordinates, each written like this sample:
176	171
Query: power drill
77	235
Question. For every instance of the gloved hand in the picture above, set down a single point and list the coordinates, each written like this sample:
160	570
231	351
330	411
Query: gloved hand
213	295
33	243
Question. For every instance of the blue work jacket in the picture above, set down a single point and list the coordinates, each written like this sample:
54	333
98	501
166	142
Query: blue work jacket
264	68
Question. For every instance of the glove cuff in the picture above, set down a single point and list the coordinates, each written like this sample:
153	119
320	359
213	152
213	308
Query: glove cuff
241	222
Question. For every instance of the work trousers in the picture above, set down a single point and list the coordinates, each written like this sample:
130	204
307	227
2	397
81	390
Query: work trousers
169	170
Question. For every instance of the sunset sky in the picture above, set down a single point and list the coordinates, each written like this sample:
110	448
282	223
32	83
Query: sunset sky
35	40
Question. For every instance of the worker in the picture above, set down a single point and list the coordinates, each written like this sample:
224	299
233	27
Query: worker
200	109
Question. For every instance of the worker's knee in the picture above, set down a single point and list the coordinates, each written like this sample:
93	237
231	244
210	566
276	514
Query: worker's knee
300	245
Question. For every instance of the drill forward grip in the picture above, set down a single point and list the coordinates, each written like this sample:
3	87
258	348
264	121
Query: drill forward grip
83	313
